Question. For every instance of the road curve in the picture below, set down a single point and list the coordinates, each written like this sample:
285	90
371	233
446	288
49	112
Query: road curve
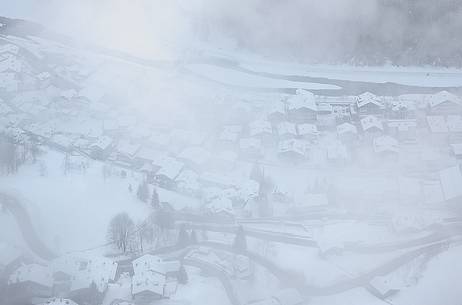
19	212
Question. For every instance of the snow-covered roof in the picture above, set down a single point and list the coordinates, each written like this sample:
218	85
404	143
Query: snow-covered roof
148	281
260	127
169	167
149	262
451	182
32	273
307	129
402	125
302	100
59	301
385	144
286	128
346	128
437	124
10	63
371	121
368	98
443	96
86	269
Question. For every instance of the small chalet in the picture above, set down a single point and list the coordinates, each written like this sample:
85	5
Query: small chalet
444	103
154	278
31	281
369	104
302	107
372	125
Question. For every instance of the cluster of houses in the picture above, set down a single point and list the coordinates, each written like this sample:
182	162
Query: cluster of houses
214	165
80	279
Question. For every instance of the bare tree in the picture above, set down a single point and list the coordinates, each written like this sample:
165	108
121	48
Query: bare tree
121	232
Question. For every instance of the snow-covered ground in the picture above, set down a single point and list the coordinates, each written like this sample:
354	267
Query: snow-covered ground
72	211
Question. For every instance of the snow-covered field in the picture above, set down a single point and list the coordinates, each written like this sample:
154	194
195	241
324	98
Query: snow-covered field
72	212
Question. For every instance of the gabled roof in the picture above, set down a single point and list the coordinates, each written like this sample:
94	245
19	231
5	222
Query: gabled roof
371	121
303	99
368	98
443	96
32	273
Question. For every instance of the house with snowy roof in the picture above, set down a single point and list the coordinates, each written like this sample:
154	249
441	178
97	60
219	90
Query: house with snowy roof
404	130
369	104
371	125
154	278
31	280
444	103
126	150
169	170
101	148
59	301
302	108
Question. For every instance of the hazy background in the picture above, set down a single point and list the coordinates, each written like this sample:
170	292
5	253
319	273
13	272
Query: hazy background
402	32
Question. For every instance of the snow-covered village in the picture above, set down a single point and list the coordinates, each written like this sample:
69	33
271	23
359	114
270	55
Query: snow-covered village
220	176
